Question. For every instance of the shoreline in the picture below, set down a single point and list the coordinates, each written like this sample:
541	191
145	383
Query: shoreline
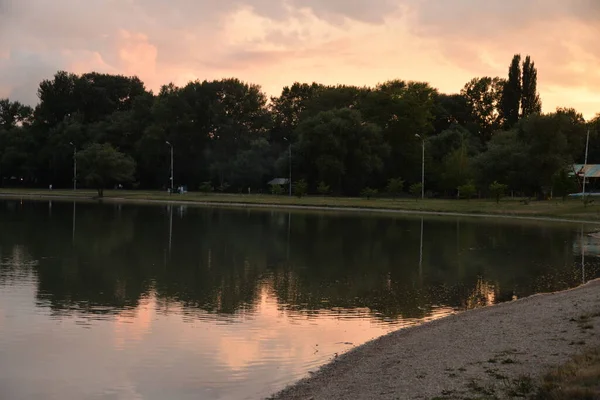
306	207
500	351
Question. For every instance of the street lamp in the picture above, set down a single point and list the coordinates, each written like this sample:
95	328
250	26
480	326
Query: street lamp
290	164
422	166
171	146
74	166
587	144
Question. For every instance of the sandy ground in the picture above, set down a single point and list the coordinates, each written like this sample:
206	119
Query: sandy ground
494	352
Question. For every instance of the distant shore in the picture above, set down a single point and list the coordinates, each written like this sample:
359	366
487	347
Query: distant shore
555	210
498	352
571	210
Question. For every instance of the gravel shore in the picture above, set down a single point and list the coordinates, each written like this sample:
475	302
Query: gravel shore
494	352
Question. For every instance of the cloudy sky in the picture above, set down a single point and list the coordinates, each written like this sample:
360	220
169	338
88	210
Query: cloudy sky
276	42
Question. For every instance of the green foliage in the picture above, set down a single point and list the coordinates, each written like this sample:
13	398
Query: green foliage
369	193
323	189
530	98
497	190
519	96
467	191
14	113
350	137
395	186
101	165
339	147
563	183
416	189
511	93
300	188
277	190
223	187
483	98
206	187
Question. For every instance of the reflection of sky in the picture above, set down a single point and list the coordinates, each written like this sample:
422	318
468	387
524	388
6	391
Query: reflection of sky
163	349
156	349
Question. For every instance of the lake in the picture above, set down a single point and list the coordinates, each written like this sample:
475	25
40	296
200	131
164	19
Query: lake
110	301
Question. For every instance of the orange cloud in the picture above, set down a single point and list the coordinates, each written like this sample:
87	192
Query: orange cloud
274	43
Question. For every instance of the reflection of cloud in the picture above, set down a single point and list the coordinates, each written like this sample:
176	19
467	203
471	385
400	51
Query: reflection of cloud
132	325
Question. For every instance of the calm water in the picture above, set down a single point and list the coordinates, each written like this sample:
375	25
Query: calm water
153	302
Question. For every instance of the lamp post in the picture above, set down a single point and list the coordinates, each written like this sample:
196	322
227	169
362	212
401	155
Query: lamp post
422	166
74	166
587	144
290	164
171	146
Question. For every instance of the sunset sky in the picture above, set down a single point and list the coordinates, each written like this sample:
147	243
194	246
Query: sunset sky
276	42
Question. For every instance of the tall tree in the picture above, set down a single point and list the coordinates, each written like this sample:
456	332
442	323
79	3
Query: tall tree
530	98
511	94
484	96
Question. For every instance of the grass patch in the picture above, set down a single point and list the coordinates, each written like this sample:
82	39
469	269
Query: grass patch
570	209
578	379
522	387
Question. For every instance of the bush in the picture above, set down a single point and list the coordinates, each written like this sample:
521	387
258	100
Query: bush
323	189
206	187
277	190
395	186
416	189
369	193
224	186
467	191
563	184
497	190
300	188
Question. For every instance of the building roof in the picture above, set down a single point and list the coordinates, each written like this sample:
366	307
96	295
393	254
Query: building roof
279	181
590	170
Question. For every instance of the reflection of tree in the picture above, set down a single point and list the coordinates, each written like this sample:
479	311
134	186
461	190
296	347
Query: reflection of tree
483	295
219	259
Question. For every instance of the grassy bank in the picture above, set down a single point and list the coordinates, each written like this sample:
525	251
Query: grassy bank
570	209
579	379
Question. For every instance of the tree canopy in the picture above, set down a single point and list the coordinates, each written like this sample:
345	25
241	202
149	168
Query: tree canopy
228	135
101	165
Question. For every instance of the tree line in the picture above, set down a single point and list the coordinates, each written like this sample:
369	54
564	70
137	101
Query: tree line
227	135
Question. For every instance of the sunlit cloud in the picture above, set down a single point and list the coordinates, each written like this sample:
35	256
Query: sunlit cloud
276	42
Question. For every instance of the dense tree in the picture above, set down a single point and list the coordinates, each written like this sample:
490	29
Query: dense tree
13	113
512	93
225	135
100	165
483	96
530	98
340	149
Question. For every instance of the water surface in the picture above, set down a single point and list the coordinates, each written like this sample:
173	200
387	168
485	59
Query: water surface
108	301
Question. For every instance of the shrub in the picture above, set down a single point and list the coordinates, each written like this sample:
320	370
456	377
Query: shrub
467	191
369	193
323	189
206	187
277	190
395	186
300	188
416	189
497	190
224	186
